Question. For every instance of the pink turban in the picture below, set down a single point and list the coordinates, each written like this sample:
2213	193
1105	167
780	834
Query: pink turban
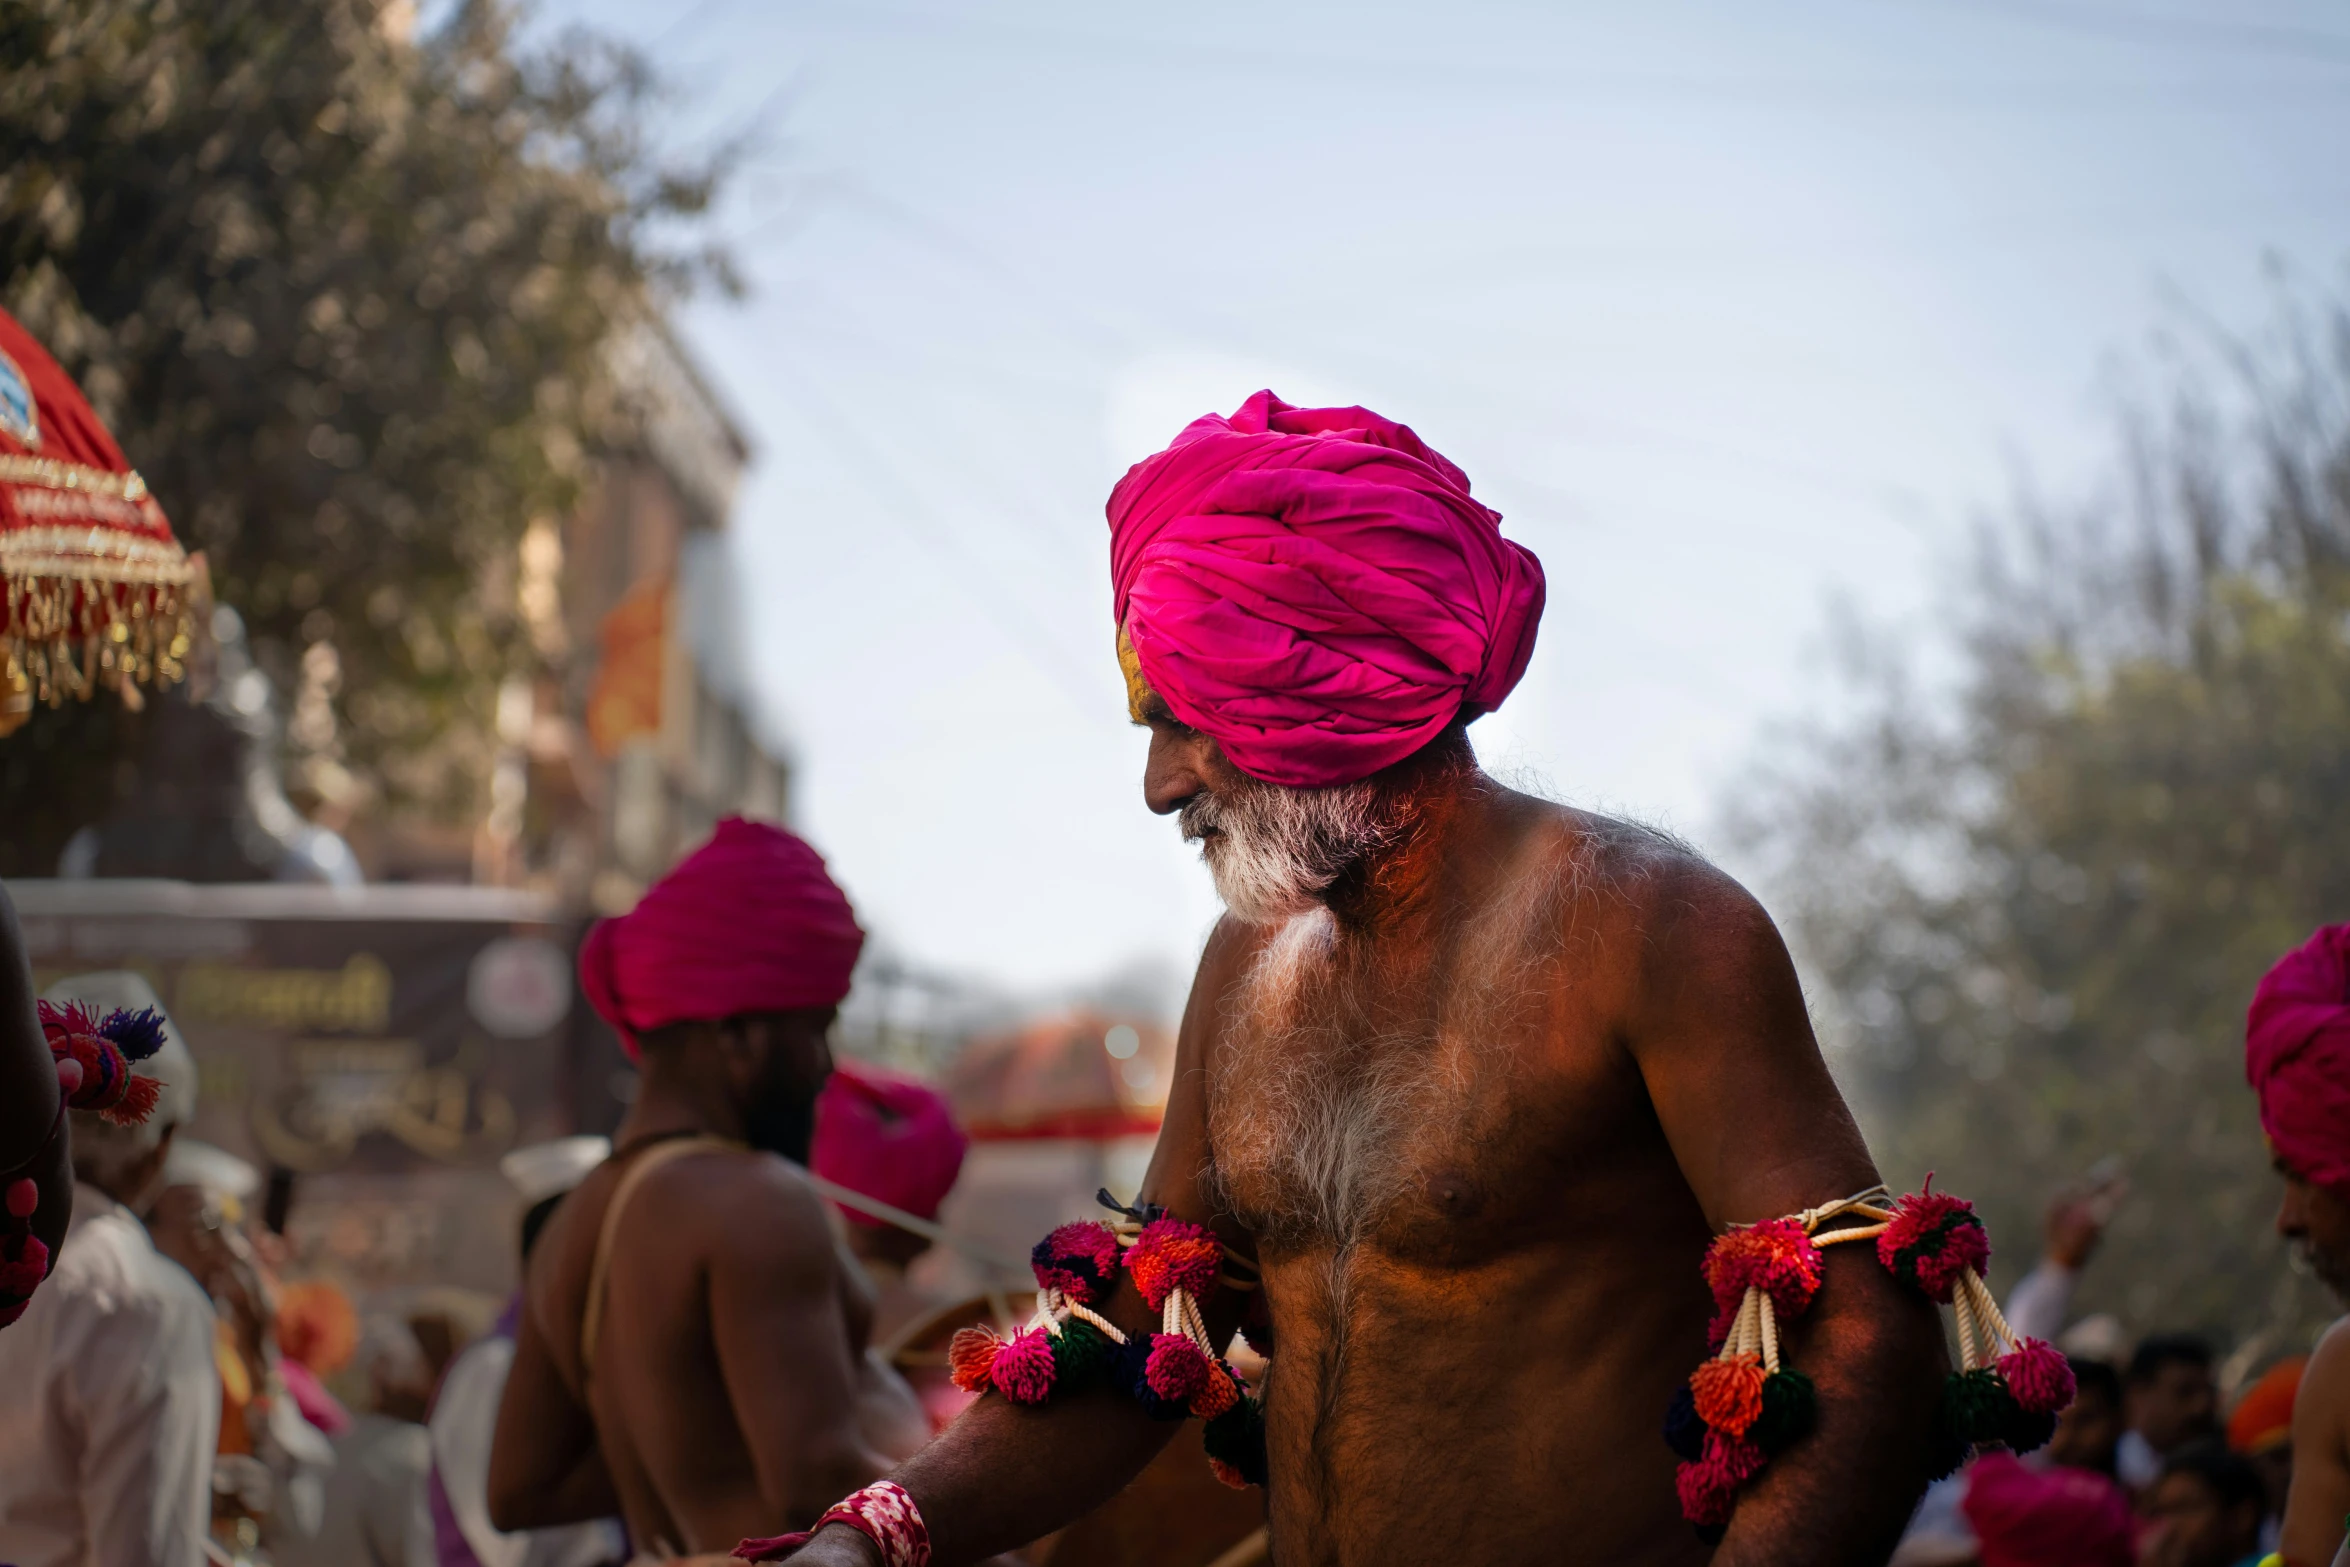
888	1137
2027	1517
1314	588
749	922
2297	1054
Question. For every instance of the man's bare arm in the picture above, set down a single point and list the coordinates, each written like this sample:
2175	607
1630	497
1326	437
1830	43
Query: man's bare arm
545	1466
1003	1475
2320	1496
1725	1045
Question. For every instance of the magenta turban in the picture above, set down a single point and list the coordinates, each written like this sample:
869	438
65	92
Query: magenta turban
887	1137
2297	1054
749	922
1315	588
2025	1517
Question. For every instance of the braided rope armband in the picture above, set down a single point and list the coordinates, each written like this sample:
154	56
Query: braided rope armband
1744	1406
1172	1373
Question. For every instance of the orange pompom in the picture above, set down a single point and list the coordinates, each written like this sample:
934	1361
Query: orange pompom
139	1097
1220	1394
1729	1393
971	1357
316	1325
1227	1474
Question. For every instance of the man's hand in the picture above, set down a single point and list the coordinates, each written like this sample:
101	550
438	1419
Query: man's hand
2076	1222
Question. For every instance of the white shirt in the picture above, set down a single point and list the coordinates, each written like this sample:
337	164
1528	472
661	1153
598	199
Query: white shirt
109	1405
464	1418
375	1512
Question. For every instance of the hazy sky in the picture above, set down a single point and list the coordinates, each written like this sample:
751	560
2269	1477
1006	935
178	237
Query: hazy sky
1729	309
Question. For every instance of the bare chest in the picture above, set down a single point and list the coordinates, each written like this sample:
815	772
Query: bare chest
1437	1115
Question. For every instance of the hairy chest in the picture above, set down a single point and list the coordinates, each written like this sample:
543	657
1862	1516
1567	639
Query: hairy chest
1437	1111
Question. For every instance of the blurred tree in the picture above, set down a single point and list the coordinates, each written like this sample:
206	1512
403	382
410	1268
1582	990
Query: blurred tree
345	297
2039	911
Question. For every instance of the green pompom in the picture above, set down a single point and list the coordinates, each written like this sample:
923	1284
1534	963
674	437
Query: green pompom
1789	1406
1237	1438
1977	1407
1080	1351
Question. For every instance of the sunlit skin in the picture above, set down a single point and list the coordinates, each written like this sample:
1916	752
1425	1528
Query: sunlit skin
730	1394
2316	1219
1479	1374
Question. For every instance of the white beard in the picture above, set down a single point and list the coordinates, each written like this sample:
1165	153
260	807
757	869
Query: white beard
1277	850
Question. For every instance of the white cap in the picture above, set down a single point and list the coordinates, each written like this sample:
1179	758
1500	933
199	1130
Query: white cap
216	1170
172	1066
545	1170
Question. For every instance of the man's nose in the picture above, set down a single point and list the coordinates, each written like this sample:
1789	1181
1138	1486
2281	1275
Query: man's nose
1171	774
2292	1223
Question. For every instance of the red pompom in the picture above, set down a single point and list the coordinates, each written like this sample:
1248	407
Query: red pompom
1170	1255
23	1197
2038	1375
1709	1486
24	1274
1774	1256
1176	1370
1227	1474
1023	1369
140	1094
1080	1260
1728	1393
69	1077
1932	1241
971	1356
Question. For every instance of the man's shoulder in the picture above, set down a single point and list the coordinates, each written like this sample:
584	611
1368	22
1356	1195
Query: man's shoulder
108	1265
732	1191
1636	870
2329	1368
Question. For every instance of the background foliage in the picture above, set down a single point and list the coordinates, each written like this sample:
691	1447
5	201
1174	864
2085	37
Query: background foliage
2039	910
345	297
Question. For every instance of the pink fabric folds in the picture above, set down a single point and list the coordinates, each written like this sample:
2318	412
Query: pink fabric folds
886	1137
2297	1055
749	922
2028	1517
1315	588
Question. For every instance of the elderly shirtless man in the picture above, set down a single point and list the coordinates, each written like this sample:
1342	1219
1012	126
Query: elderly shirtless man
1472	1078
692	1349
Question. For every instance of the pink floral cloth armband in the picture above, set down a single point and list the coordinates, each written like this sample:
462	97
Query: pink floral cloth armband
882	1513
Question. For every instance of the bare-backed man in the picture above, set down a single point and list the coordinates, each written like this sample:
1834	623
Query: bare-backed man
1472	1078
691	1351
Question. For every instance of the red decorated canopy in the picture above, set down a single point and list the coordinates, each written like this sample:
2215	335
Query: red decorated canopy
94	591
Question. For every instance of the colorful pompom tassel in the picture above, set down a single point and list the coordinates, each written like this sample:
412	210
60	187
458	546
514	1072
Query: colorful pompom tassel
1079	1260
24	1263
1790	1407
1023	1370
971	1357
1728	1393
2039	1376
1684	1429
1236	1442
1933	1241
1170	1255
94	1057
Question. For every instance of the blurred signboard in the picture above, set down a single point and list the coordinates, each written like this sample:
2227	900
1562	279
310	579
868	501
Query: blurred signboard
384	1045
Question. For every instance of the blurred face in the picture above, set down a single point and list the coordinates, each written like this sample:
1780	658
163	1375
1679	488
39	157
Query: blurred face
2086	1433
2175	1405
2189	1528
779	1061
2316	1219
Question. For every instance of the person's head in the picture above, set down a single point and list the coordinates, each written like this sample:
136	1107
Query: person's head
1304	599
543	1174
761	1071
2261	1426
2027	1517
2091	1425
399	1376
126	1162
893	1139
2172	1399
2297	1057
2205	1510
725	978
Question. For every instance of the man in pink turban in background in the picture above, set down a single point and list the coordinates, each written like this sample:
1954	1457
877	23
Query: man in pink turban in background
2297	1055
895	1140
691	1349
1467	1083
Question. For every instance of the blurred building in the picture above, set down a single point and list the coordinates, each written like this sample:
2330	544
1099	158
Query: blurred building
637	740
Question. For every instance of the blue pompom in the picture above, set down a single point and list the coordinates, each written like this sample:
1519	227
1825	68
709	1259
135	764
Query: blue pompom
1684	1431
137	1035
